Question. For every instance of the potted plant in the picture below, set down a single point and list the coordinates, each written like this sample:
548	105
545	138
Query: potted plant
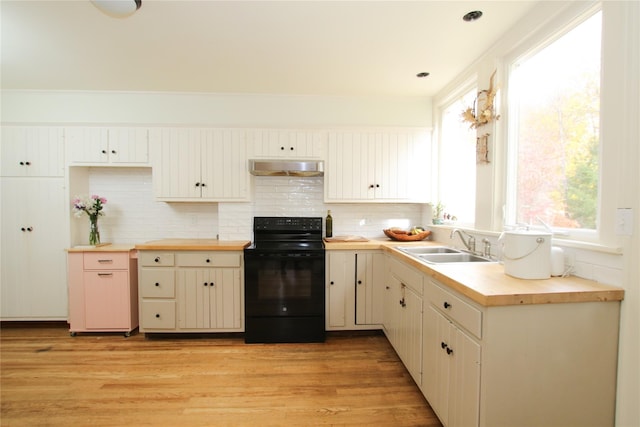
438	210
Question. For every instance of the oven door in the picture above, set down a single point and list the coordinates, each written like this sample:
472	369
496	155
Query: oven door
284	284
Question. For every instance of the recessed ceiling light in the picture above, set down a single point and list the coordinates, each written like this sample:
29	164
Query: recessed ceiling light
472	16
423	74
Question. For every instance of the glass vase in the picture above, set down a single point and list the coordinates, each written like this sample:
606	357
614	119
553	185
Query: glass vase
94	231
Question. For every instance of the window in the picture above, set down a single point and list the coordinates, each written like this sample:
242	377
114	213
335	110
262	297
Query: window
554	141
457	169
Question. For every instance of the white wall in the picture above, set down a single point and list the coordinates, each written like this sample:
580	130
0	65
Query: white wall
212	109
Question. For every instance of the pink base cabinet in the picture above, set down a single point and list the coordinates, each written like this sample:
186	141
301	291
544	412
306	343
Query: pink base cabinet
103	291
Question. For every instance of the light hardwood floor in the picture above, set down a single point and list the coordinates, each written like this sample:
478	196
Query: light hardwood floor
51	379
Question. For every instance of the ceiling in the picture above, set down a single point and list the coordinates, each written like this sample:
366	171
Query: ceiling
335	48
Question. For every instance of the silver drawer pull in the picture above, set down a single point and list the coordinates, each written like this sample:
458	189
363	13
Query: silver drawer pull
104	261
105	274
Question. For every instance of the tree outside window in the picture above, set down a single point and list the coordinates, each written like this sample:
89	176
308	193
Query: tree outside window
555	100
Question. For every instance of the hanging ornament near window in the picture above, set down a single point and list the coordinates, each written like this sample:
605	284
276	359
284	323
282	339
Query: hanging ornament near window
483	109
482	149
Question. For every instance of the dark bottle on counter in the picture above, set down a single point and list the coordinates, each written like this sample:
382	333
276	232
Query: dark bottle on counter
328	225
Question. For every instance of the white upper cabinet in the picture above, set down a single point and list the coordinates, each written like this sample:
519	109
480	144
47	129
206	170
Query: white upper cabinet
377	166
285	143
200	165
32	151
108	146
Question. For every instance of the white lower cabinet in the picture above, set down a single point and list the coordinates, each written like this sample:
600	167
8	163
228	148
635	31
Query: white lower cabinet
519	365
402	315
207	298
354	289
191	291
451	377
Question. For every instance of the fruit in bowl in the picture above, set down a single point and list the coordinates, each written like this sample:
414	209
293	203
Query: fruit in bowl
413	234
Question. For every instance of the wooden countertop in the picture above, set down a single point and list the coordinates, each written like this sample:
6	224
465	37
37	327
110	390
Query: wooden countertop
371	244
486	283
108	247
193	245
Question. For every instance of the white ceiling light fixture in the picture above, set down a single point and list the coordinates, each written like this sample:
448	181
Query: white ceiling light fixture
117	8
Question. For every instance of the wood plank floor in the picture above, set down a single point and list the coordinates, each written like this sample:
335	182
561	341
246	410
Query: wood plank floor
51	379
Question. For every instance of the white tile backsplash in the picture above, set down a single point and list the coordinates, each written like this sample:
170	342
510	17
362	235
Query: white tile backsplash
133	215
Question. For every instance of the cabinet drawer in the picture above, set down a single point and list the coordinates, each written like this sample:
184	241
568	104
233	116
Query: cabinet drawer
158	314
157	283
407	275
456	309
106	260
156	259
208	259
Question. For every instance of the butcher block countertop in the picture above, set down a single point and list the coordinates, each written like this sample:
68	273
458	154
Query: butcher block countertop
486	283
106	247
193	245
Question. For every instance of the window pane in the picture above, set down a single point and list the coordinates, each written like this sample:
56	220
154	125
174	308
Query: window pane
458	162
557	110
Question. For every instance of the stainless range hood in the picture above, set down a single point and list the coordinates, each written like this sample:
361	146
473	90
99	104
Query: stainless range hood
286	167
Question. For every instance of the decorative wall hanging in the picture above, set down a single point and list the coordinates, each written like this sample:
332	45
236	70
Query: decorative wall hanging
482	149
483	110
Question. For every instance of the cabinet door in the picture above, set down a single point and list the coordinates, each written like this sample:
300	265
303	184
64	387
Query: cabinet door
32	151
33	258
451	362
285	143
436	363
107	299
340	273
209	298
225	307
128	145
369	288
87	145
410	333
388	166
193	297
391	309
464	407
224	166
177	176
350	168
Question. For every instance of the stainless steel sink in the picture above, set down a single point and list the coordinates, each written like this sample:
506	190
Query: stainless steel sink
441	258
420	250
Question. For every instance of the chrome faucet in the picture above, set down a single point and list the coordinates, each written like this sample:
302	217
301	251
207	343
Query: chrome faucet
470	244
487	247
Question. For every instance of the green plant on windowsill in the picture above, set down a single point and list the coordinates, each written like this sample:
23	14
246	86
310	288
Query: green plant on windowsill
437	213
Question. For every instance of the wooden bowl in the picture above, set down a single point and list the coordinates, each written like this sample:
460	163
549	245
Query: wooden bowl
406	237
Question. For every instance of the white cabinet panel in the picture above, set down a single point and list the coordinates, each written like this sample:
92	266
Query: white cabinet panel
33	257
285	143
403	315
107	146
128	145
354	290
377	166
201	165
32	151
369	289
